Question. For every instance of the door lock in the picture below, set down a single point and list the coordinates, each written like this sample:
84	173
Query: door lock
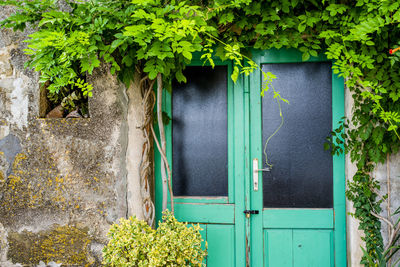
248	212
255	173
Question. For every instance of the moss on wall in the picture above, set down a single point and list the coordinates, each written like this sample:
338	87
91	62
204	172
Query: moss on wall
37	182
64	244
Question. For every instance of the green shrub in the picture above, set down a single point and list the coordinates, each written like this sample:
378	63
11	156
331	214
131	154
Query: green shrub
134	243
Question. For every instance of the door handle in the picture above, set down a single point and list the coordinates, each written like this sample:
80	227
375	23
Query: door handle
255	173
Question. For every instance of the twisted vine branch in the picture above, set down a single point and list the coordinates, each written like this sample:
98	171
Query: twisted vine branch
146	163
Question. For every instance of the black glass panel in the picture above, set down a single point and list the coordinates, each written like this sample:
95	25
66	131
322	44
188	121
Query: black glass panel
301	176
199	133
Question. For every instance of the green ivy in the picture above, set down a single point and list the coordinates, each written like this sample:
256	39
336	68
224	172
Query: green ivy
157	36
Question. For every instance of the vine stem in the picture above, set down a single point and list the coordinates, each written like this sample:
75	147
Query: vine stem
277	129
390	225
394	230
146	166
163	145
226	45
273	89
164	158
166	178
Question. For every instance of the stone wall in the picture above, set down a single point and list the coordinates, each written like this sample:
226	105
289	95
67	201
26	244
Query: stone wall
62	181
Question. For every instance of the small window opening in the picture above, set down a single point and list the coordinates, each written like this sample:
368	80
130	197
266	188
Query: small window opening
69	101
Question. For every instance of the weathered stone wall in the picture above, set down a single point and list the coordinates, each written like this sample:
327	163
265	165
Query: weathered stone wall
62	181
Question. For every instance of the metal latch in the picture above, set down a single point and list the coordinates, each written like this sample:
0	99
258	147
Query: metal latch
248	212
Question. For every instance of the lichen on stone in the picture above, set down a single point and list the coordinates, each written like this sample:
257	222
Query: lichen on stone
63	244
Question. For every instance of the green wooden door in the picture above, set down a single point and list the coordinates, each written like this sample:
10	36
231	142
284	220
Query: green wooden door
301	198
276	236
208	166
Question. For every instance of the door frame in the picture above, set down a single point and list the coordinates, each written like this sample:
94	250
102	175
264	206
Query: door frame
339	200
214	210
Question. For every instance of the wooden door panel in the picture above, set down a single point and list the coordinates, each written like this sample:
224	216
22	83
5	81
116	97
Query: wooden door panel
278	247
221	245
312	248
205	213
298	218
298	248
220	240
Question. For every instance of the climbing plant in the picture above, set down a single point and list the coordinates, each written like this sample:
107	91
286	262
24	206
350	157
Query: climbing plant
157	38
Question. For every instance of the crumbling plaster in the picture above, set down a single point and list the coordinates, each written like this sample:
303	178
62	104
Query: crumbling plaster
63	179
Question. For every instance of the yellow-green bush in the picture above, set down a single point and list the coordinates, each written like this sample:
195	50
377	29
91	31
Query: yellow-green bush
134	243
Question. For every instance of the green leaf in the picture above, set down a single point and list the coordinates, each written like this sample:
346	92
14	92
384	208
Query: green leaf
313	53
301	27
326	146
180	77
127	60
116	43
187	55
235	74
305	56
153	74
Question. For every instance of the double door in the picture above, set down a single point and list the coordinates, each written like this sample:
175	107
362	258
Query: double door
253	172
